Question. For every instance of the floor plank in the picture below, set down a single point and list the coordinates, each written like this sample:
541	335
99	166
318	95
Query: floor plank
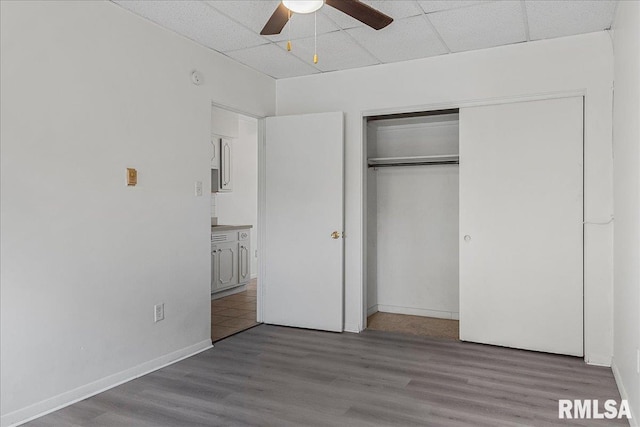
278	376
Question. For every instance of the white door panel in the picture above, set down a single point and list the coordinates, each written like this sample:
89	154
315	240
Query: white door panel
303	274
521	206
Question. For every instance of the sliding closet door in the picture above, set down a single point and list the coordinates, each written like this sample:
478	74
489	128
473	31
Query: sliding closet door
521	213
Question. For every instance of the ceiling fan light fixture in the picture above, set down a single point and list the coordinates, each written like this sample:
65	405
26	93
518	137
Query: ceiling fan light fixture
303	6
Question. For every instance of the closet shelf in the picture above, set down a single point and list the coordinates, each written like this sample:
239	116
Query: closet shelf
445	159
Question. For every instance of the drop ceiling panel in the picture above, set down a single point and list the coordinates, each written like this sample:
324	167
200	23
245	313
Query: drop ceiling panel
273	61
421	28
197	21
481	26
565	18
251	13
411	38
302	26
397	9
336	51
436	5
255	14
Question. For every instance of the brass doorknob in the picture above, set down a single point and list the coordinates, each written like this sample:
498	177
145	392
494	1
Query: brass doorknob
335	235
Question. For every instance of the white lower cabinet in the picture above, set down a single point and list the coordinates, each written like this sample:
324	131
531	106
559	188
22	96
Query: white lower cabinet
226	265
230	259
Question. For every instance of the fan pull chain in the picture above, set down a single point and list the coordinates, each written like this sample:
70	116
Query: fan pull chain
315	37
289	30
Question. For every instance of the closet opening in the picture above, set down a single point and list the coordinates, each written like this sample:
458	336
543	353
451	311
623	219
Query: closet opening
412	223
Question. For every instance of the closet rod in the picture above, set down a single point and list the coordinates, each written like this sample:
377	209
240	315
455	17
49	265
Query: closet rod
441	162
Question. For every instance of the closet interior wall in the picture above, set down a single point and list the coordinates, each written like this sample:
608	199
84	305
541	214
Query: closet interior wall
412	217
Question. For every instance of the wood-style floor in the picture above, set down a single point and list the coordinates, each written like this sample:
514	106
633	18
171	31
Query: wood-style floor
276	376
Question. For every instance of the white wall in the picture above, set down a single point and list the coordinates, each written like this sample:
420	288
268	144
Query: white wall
414	241
581	63
626	187
240	206
88	89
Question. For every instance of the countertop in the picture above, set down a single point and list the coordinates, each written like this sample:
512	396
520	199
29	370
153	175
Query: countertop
215	228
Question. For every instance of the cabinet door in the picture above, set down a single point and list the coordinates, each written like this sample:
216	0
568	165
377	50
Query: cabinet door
214	268
244	270
226	160
215	152
226	265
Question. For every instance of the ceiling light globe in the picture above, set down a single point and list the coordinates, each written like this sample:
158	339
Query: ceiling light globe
303	6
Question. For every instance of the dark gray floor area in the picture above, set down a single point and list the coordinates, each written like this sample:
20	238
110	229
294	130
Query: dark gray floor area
275	376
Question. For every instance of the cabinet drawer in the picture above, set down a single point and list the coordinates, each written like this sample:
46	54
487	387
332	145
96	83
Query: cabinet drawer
229	236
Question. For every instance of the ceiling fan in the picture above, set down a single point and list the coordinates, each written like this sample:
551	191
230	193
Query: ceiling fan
354	8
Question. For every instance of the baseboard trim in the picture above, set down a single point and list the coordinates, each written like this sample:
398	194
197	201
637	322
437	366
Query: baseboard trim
633	421
418	311
372	309
598	360
228	292
62	400
352	328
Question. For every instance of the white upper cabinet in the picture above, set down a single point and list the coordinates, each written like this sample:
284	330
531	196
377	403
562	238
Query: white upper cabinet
215	152
226	162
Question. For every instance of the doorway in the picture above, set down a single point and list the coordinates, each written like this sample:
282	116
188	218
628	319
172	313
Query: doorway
234	222
412	223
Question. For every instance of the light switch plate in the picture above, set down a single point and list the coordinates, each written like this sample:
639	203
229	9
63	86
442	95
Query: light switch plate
132	177
158	312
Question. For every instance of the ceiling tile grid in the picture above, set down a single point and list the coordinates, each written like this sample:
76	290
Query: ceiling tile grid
254	14
411	38
197	21
421	28
397	9
480	26
430	6
566	18
273	61
336	51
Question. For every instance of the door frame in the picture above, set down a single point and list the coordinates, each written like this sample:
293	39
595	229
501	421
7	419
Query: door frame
259	245
365	114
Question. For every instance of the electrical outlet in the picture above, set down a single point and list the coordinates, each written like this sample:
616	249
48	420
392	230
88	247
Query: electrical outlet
158	312
198	188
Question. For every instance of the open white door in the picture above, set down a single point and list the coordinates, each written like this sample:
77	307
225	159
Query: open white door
521	225
303	261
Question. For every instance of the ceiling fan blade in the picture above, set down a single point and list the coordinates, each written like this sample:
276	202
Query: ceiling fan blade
362	12
276	23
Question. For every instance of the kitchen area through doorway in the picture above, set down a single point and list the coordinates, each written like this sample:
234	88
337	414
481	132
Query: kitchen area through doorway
234	218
